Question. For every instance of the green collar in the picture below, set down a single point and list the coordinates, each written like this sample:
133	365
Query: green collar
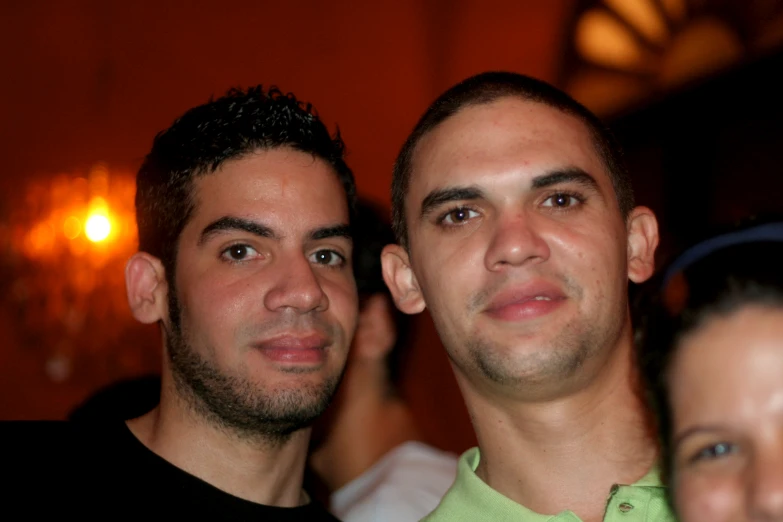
471	499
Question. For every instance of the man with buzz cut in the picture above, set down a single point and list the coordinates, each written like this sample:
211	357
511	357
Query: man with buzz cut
516	228
243	209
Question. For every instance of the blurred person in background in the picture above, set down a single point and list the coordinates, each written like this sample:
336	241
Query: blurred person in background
516	228
367	448
712	353
245	254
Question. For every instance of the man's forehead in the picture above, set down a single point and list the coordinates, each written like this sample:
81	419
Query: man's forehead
506	133
283	187
280	172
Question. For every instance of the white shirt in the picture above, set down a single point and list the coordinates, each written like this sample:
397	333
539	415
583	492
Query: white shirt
403	486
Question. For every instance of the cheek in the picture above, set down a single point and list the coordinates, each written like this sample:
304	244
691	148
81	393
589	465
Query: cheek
597	255
442	295
703	498
441	268
212	301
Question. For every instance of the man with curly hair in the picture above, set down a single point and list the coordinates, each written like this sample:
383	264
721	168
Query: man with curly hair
244	262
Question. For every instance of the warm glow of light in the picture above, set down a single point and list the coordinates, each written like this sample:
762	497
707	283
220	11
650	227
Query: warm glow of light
97	228
602	39
704	46
40	240
72	227
643	16
98	205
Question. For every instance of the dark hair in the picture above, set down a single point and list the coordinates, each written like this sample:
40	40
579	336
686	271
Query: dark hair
372	232
205	137
728	276
486	88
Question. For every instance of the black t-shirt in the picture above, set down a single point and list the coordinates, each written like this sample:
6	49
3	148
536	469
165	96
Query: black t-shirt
103	471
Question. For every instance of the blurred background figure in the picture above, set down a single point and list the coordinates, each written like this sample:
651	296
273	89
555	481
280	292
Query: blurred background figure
367	449
712	355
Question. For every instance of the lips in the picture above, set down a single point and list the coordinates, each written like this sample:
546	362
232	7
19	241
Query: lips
525	302
295	349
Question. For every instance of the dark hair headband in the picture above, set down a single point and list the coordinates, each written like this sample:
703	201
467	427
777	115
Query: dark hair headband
757	234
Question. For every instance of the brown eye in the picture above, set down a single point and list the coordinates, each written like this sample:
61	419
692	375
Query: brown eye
561	200
327	257
459	215
239	252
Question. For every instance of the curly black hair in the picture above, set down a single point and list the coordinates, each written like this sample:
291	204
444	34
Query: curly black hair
202	139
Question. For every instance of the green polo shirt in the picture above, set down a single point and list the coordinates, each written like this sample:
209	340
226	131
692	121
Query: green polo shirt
470	499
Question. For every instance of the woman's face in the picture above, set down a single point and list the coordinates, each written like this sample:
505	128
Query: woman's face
726	392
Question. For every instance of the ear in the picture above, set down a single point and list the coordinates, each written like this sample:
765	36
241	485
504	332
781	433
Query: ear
642	242
145	283
376	334
401	280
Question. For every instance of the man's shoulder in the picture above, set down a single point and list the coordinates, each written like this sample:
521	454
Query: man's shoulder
313	512
27	442
47	459
100	469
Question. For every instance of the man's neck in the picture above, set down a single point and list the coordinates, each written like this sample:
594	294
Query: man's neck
566	453
269	474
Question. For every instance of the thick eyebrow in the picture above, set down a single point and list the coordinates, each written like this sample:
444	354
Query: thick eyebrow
246	225
333	231
439	196
471	192
234	223
569	175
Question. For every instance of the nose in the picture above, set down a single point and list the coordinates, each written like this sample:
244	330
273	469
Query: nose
765	497
296	286
516	240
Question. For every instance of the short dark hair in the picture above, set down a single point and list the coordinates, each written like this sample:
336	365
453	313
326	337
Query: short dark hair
486	88
372	232
202	139
717	282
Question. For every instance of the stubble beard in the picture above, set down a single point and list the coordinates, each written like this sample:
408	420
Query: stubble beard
234	403
554	363
561	359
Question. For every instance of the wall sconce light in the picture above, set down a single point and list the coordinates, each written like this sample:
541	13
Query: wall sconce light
620	52
66	243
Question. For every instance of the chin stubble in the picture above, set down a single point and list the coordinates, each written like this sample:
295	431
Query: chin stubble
559	359
235	404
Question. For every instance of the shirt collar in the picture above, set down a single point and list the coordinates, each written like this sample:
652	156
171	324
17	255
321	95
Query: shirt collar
471	495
